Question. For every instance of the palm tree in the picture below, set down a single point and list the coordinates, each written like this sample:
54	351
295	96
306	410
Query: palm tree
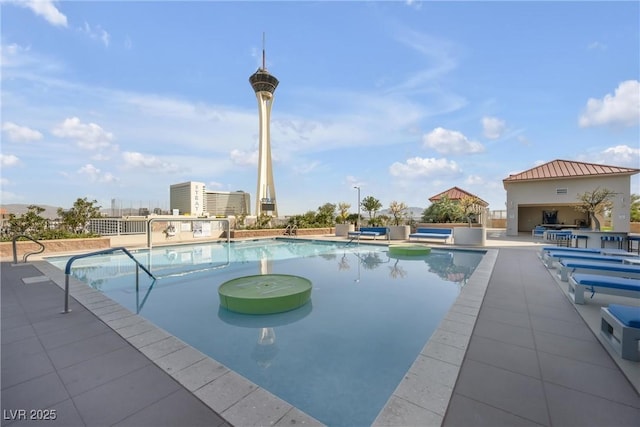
372	205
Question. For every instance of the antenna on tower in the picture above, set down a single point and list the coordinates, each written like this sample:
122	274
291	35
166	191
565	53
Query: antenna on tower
264	59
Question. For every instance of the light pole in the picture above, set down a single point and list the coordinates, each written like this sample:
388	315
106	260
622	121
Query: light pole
358	218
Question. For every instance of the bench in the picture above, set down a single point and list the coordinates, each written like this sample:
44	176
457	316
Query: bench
369	232
551	259
620	327
568	267
621	286
432	233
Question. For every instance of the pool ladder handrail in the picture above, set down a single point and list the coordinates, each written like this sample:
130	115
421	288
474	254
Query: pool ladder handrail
291	230
27	254
67	270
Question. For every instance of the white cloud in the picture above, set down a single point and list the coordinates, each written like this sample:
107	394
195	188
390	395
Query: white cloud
214	184
597	45
7	160
622	155
149	162
88	136
96	33
16	133
305	167
91	171
45	8
446	141
621	108
474	180
420	167
436	52
493	127
416	4
242	158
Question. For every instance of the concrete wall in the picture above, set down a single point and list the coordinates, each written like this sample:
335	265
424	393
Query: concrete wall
52	247
522	197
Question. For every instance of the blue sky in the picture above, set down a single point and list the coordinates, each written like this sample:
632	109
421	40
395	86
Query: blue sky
405	99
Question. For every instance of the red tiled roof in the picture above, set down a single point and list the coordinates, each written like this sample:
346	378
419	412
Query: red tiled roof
455	193
568	169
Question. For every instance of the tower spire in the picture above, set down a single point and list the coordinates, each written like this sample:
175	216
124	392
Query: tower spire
264	55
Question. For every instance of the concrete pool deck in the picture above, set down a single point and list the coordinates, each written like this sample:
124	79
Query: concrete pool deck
512	351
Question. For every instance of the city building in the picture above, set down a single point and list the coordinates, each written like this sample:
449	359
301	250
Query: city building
192	198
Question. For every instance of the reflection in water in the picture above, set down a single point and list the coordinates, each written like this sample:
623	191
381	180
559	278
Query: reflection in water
454	266
266	348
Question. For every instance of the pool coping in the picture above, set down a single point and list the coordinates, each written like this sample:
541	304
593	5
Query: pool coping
421	397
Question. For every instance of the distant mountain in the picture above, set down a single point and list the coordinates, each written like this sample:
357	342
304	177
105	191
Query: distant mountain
50	212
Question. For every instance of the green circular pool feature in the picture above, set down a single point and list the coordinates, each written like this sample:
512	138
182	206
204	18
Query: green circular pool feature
265	293
409	250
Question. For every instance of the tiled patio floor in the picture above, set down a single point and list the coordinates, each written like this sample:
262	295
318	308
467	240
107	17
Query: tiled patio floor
77	369
532	359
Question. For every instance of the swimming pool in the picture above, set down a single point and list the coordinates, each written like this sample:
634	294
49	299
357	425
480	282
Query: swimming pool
339	357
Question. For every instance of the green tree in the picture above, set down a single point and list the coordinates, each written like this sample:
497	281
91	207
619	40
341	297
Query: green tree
326	215
595	203
343	212
371	205
635	208
470	207
76	219
29	222
398	211
443	210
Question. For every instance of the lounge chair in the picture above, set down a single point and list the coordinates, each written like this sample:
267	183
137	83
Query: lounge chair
538	232
445	234
369	232
620	327
622	286
570	266
545	249
552	258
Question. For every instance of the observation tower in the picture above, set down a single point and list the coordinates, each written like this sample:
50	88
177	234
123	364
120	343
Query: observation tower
264	84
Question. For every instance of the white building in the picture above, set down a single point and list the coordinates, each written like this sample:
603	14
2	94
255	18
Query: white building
188	198
548	194
225	203
192	198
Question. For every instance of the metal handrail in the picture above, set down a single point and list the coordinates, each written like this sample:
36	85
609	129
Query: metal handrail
26	255
67	270
291	230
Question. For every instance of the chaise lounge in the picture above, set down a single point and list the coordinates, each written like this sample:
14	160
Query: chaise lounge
622	286
620	328
369	232
568	267
551	258
444	234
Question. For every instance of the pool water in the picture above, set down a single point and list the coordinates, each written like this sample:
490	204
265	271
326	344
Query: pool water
339	357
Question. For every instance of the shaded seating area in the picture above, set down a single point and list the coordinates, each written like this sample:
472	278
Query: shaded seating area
633	244
618	240
620	328
579	283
